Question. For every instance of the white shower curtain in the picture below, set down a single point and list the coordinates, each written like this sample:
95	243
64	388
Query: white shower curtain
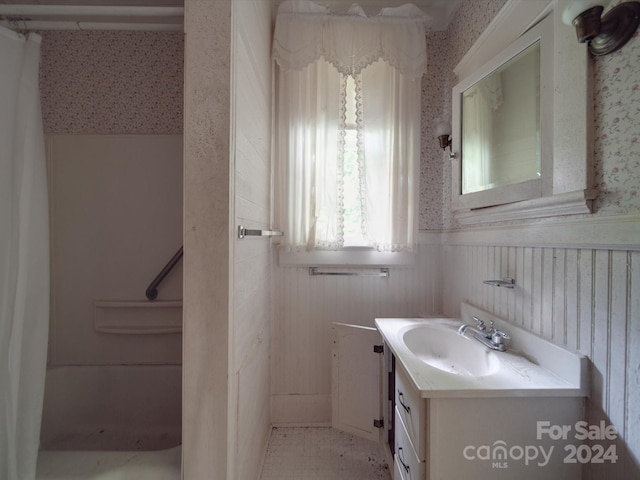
24	256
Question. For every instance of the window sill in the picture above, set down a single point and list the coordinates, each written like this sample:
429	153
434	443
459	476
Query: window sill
351	257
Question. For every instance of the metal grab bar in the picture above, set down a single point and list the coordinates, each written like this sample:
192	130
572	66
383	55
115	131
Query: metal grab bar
152	289
246	232
384	272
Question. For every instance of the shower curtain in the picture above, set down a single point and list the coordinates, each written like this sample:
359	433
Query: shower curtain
24	256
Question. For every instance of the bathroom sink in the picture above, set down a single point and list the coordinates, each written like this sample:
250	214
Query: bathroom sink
441	363
443	348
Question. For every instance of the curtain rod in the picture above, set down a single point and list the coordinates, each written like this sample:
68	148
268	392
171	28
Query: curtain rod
30	25
22	17
79	10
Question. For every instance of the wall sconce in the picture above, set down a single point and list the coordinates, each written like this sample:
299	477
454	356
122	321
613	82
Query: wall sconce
604	34
443	130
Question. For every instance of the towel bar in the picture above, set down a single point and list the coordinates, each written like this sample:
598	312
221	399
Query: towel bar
384	272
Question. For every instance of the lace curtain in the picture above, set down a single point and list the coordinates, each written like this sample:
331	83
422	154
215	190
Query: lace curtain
315	53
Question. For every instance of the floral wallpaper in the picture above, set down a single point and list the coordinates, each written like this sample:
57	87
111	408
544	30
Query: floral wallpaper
132	82
617	129
616	102
434	89
108	82
445	50
470	21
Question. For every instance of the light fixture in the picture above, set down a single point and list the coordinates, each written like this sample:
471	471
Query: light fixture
443	130
605	34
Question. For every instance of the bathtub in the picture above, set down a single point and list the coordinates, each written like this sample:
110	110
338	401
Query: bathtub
112	422
96	465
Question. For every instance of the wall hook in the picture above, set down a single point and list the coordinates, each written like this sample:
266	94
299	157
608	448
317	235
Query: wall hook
506	282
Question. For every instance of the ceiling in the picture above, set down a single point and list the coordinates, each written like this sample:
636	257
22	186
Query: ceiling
440	11
129	3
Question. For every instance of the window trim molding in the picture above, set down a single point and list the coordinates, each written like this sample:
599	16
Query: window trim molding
598	232
359	256
346	257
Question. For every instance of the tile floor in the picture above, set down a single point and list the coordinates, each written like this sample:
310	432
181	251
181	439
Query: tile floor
315	453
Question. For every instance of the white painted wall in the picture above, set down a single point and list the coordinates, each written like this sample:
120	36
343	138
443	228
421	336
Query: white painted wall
116	220
207	239
305	307
251	275
227	297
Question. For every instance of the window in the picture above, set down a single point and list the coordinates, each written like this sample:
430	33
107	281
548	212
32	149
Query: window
354	235
347	130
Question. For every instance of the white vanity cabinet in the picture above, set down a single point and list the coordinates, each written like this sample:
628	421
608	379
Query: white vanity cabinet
461	410
408	464
444	408
480	438
410	430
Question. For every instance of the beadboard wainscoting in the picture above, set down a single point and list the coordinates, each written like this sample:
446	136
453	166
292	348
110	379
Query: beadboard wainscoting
586	299
305	307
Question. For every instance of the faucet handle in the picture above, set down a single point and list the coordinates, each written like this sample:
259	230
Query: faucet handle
498	335
480	324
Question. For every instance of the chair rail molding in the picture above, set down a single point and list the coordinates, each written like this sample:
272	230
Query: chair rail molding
605	232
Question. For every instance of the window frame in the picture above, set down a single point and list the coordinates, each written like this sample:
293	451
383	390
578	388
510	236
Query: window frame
346	257
357	255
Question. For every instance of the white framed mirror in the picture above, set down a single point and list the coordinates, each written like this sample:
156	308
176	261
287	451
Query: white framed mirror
500	125
547	172
501	118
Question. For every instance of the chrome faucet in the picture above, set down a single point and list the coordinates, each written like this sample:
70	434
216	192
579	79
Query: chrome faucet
492	338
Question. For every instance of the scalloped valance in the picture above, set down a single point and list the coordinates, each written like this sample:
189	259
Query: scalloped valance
306	31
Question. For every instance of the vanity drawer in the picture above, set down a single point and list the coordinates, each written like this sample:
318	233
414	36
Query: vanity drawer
406	462
397	470
411	409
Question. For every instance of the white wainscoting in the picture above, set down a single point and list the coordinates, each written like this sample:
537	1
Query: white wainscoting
585	299
305	307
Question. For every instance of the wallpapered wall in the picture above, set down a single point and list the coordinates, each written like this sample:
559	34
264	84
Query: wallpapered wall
112	82
131	82
616	149
617	129
445	50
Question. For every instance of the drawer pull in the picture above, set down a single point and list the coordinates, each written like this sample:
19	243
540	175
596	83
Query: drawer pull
400	399
401	460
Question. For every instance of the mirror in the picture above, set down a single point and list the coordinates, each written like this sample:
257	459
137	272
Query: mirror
500	131
502	125
527	57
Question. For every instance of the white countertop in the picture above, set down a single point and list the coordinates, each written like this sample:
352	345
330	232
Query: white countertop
517	376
